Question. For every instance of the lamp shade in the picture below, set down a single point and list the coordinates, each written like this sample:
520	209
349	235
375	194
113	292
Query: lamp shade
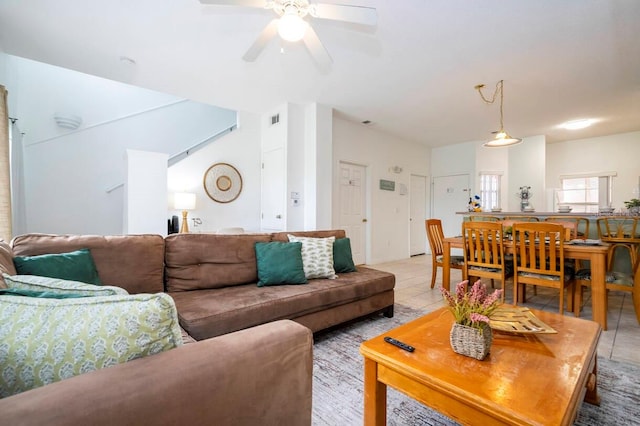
184	201
502	139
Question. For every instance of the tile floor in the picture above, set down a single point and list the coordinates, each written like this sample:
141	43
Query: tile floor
621	342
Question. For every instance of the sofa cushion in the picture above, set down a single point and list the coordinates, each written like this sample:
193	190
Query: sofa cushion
209	313
284	236
47	340
317	256
204	261
76	265
342	257
6	261
133	262
56	285
279	263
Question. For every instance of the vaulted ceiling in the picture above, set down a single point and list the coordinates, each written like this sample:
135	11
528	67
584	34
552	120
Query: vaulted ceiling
413	75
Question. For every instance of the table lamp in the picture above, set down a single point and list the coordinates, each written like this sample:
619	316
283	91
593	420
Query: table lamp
184	201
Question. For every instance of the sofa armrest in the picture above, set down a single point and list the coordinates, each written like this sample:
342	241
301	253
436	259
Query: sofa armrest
261	375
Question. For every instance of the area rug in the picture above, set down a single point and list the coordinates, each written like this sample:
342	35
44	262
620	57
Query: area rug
338	382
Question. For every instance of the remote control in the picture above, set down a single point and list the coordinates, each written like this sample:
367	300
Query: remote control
399	344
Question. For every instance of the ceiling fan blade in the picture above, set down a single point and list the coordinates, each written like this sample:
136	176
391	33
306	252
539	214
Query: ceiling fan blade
246	3
357	14
317	50
265	36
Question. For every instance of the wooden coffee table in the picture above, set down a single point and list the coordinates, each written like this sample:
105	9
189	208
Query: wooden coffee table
526	378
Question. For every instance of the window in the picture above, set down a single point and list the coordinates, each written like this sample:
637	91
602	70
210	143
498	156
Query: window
584	194
489	190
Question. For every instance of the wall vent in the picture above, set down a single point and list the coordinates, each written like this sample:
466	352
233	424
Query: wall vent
275	119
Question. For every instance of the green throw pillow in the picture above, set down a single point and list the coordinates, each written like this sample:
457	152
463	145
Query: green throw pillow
76	265
279	263
342	257
56	285
47	340
34	293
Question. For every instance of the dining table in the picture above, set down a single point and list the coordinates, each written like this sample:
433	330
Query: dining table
596	254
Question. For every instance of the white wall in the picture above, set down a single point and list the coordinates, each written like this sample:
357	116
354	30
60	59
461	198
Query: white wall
619	153
527	168
241	149
145	195
68	173
305	134
388	211
494	160
318	164
297	173
521	164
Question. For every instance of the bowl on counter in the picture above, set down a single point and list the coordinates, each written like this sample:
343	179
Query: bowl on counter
564	209
607	210
496	210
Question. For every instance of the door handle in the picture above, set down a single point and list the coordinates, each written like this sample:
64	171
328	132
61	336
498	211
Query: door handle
364	220
278	216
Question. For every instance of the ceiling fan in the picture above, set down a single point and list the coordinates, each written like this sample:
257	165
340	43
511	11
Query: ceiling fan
292	23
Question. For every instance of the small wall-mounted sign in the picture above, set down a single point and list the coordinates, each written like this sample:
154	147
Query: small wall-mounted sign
387	185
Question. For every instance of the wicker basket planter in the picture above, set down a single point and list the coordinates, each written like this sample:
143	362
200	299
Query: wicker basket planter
469	341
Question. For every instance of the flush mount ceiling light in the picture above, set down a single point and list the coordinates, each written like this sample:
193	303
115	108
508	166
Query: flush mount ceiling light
67	121
578	124
502	138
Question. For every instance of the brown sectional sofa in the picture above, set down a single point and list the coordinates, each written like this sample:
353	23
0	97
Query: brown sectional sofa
212	279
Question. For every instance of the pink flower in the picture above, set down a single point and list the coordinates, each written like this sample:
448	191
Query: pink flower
478	293
475	317
492	298
472	307
447	296
461	290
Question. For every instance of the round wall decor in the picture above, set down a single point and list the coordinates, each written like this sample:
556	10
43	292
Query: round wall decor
222	182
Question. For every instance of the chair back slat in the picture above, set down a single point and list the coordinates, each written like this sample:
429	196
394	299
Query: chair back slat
483	248
539	257
435	235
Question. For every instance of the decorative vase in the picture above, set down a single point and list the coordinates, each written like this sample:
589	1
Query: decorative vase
470	341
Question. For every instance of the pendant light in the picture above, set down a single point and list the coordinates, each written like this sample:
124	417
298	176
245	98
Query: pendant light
502	138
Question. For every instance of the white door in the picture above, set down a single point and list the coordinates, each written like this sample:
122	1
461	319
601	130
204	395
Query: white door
273	190
353	208
450	194
417	215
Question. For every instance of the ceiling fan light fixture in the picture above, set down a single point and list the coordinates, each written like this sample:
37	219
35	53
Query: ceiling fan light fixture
292	27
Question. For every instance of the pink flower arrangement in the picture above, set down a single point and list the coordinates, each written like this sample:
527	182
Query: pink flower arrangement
472	308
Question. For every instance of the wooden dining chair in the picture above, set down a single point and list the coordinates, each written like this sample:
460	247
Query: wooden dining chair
582	224
538	259
483	251
620	231
435	235
615	281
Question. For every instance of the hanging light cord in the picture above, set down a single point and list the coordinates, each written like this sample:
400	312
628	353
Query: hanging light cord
499	87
